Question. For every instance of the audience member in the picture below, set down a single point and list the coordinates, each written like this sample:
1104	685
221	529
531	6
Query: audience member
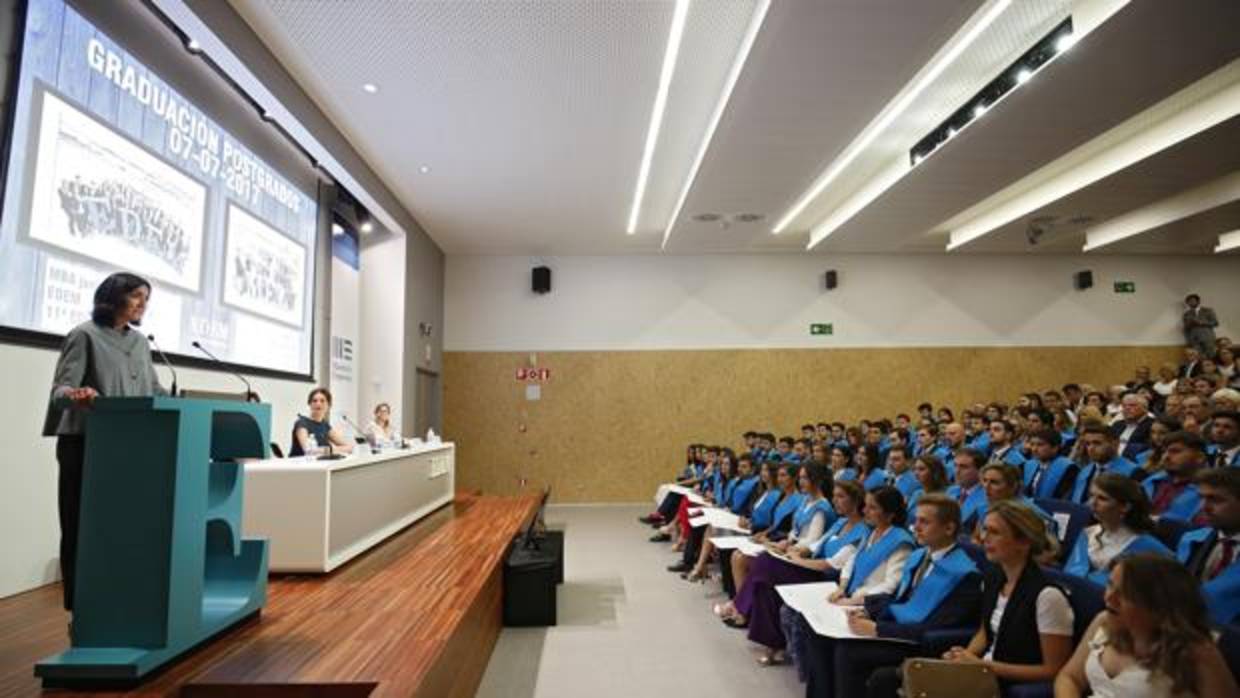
968	492
1199	324
1047	474
1100	448
1133	431
1153	641
1173	493
1212	554
931	477
1124	527
1225	439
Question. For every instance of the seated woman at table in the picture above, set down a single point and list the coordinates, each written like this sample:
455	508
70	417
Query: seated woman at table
1124	527
1153	641
314	434
381	430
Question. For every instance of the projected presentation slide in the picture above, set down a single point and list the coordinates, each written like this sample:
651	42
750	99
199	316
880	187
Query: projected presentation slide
111	169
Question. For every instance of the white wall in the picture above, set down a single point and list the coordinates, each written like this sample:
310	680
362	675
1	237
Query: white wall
382	327
29	532
696	302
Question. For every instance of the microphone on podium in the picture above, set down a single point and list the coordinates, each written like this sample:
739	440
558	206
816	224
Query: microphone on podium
250	395
358	435
164	357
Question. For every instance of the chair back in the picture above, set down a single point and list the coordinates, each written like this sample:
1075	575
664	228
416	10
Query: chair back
1071	517
1084	596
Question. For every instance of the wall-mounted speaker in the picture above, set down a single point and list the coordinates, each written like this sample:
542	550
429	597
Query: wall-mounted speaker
1083	279
831	279
541	281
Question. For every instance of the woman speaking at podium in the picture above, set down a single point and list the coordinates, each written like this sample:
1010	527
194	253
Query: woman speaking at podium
102	357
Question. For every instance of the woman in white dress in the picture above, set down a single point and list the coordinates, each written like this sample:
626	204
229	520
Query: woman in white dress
1152	641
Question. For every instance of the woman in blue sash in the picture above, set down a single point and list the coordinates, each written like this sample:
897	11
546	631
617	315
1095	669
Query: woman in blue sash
781	521
841	464
870	472
879	563
1124	526
757	599
739	502
931	476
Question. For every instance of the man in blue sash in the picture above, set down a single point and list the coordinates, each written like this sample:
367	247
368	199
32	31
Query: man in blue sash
1047	474
940	588
1225	438
899	475
953	436
1172	491
1213	554
1101	447
1002	449
968	491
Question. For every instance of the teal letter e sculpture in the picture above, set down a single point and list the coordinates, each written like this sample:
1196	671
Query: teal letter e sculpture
161	563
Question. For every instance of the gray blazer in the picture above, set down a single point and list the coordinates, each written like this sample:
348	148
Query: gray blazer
115	363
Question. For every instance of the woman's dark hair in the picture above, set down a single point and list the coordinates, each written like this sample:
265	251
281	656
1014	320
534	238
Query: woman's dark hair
112	296
938	472
820	477
317	391
891	502
791	470
872	459
1164	588
1125	490
854	491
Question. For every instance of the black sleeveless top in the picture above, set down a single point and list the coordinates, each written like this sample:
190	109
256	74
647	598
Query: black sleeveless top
1017	641
317	430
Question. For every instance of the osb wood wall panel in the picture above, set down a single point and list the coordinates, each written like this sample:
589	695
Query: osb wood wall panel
611	425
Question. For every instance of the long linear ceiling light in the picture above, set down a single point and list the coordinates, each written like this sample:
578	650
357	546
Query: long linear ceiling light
946	56
1228	241
738	64
674	37
1200	106
1187	203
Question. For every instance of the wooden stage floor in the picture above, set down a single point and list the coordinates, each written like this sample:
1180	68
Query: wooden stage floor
417	615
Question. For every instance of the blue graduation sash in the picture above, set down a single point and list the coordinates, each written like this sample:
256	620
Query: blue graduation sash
871	555
833	542
974	501
846	474
719	491
786	507
1051	479
740	493
764	509
1014	457
1222	593
1184	507
1118	464
877	478
937	584
1079	564
807	511
981	442
907	484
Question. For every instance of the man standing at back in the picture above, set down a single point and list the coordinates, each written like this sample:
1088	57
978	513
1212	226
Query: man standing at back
1199	324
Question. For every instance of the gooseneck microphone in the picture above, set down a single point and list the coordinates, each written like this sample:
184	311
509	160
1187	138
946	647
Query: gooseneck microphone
250	395
164	358
358	435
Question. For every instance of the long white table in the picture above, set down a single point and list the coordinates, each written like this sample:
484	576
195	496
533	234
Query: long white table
320	514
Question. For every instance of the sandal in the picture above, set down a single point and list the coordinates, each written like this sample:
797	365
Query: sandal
723	610
737	622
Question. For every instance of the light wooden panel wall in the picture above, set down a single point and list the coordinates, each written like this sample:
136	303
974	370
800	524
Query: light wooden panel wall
611	425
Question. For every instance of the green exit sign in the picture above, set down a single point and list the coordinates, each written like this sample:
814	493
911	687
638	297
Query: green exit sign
821	328
1125	287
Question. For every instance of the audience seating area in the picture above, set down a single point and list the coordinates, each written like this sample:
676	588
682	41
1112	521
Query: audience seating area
1069	496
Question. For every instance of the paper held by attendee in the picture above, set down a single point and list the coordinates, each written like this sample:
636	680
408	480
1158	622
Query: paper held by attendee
739	543
826	619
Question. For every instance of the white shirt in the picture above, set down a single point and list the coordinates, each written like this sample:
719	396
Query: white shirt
814	531
885	578
1133	681
843	557
1054	615
1104	547
1165	389
1129	430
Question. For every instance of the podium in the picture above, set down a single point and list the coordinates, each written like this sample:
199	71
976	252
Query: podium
161	563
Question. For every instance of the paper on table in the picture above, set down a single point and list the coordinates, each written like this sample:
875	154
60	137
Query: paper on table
826	618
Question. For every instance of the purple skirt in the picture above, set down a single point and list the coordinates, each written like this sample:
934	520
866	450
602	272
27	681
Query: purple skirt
758	601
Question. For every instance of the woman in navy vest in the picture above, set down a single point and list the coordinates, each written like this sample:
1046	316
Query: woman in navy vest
1124	527
757	600
1026	630
940	588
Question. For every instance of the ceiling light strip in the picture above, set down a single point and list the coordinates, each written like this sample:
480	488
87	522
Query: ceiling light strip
1228	241
1187	203
738	64
675	34
946	56
1198	107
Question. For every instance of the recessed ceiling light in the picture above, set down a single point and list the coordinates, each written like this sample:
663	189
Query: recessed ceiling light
1023	75
1065	42
979	110
367	226
425	169
193	46
370	87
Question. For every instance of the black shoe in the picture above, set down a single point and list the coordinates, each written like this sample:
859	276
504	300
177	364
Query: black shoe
679	567
734	623
660	538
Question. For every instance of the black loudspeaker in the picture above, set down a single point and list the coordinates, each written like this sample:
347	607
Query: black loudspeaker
542	280
1083	280
832	279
